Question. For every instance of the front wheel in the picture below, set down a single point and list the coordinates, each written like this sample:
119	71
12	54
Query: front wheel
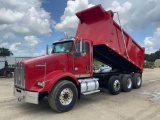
63	96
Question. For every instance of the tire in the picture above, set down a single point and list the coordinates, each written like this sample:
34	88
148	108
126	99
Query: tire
120	76
127	83
9	75
63	96
137	80
114	85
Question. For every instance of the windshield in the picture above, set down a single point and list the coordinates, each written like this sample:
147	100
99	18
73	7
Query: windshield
62	47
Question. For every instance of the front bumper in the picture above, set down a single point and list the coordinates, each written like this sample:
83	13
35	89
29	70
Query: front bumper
27	96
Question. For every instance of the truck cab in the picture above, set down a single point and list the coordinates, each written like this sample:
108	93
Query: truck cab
78	56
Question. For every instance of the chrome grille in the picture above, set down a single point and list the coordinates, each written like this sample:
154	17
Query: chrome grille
19	75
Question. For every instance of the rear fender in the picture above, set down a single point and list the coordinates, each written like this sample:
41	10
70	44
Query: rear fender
55	76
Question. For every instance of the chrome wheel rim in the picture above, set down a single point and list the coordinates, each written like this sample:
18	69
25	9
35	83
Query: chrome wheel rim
129	83
138	81
116	85
66	96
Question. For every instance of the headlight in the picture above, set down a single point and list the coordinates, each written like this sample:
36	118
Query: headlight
41	84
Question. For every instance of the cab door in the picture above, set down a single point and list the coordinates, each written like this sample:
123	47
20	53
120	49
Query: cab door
82	61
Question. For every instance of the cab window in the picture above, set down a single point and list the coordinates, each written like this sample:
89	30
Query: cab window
85	47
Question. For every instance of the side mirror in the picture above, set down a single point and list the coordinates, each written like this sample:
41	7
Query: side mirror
48	49
81	46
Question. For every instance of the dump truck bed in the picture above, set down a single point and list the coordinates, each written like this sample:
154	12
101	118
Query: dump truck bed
109	47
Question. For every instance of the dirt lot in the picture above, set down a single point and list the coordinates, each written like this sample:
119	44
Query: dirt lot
140	104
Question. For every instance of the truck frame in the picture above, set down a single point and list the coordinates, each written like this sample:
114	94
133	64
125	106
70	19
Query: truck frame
67	73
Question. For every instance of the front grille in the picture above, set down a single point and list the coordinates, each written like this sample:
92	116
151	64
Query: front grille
19	75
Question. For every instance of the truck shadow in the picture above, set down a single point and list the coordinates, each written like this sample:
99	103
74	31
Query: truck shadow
43	106
101	98
4	77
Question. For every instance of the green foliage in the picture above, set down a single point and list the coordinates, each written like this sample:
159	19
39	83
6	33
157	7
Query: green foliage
97	64
153	56
5	52
149	65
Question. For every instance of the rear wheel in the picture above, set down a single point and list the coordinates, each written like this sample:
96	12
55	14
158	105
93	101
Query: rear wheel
127	83
63	96
120	76
137	80
114	85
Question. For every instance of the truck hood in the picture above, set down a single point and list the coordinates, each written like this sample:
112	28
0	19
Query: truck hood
37	68
40	58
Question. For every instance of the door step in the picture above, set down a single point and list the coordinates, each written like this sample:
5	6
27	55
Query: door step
90	92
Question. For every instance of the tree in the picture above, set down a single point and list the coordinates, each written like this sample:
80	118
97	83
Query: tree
5	52
153	56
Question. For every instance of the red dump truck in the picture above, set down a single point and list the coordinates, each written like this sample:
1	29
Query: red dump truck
67	73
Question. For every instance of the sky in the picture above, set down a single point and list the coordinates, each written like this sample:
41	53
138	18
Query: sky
27	26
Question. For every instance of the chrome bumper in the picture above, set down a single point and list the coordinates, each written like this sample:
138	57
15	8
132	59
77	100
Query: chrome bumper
27	96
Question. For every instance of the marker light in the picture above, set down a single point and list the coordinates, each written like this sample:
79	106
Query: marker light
41	84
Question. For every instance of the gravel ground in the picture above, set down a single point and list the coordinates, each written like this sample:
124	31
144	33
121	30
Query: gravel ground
139	104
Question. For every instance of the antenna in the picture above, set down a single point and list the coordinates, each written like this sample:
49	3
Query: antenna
65	34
